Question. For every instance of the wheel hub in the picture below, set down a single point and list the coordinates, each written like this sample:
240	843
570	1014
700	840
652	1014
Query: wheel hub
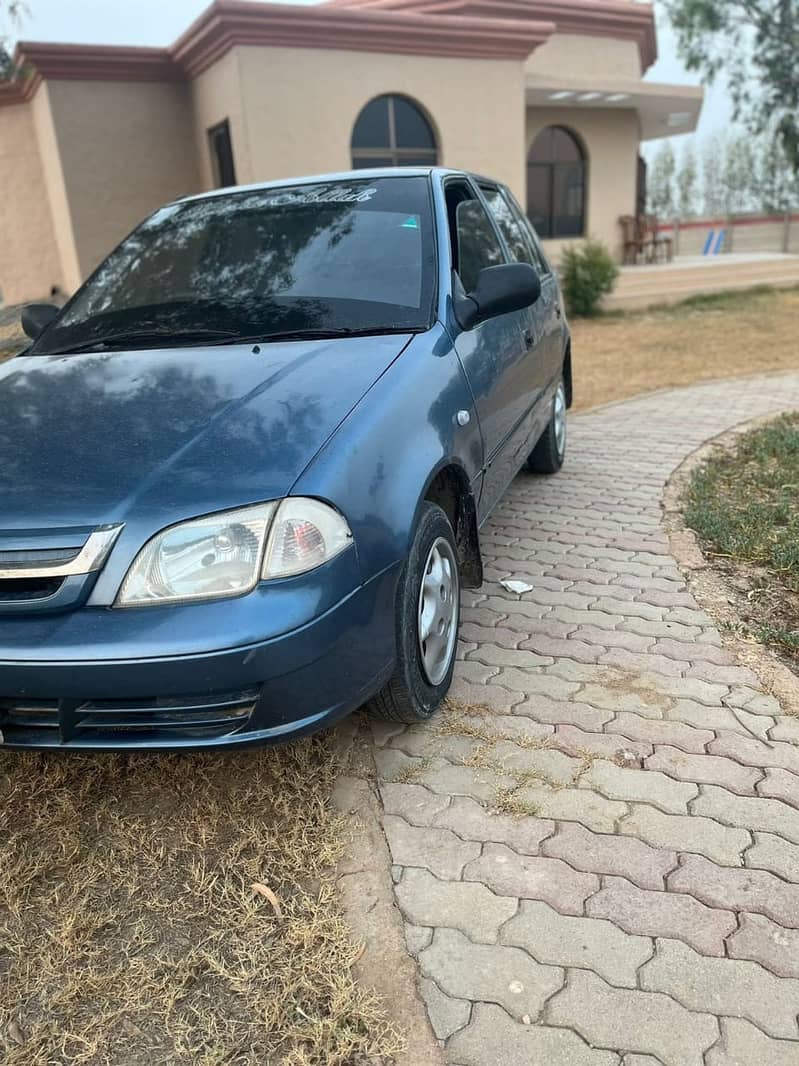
438	611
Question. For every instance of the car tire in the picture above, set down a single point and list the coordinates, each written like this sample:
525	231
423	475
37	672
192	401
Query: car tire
428	598
548	455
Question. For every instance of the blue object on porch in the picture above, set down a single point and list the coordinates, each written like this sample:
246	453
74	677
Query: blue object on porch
720	241
709	242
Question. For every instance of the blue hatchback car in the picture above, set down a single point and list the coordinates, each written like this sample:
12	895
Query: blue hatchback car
243	471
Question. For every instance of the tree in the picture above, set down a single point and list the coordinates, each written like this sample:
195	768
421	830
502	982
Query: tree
661	182
712	177
686	181
754	43
739	175
777	184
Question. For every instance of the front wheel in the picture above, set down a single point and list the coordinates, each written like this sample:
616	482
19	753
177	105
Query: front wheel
548	455
427	619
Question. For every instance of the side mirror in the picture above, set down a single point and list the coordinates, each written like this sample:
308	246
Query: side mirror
499	290
36	318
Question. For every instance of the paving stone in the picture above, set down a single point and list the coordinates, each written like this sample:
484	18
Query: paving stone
515	606
628	610
426	744
494	655
598	619
637	1021
724	986
526	877
489	973
659	731
638	697
743	1045
450	780
555	712
447	1015
613	639
724	844
572	805
617	782
660	630
493	696
580	743
678	649
708	769
470	907
548	763
755	752
477	633
772	945
536	684
737	890
495	1037
640	1060
438	850
748	696
724	675
785	729
471	821
382	732
568	648
579	942
643	661
773	853
416	937
603	853
749	812
702	717
780	784
662	914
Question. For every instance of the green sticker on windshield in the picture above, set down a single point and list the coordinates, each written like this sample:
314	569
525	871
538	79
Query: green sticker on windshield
411	223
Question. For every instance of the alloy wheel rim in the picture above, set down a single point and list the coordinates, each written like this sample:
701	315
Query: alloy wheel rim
559	420
437	627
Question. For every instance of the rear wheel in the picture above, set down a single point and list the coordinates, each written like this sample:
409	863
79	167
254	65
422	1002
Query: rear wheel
427	619
548	455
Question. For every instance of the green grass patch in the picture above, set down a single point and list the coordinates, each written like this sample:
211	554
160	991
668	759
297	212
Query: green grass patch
744	504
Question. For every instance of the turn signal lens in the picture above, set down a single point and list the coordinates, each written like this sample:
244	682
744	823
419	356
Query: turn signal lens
304	534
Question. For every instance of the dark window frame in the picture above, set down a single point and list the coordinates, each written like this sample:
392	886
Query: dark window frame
223	166
554	171
361	156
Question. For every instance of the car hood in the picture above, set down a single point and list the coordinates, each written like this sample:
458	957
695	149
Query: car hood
94	438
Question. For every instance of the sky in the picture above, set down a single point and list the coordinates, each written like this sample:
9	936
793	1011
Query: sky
159	22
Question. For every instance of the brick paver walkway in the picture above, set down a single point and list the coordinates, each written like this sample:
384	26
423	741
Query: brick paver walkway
597	852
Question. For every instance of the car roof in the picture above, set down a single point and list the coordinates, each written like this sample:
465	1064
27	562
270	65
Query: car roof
344	175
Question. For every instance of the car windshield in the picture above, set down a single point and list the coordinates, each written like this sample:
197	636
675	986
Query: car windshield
327	258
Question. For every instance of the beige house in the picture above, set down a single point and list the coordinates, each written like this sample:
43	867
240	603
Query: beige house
547	96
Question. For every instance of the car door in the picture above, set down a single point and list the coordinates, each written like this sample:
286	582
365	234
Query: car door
494	353
548	311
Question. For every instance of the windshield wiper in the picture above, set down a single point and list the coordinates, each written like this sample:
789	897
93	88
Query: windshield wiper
319	334
146	336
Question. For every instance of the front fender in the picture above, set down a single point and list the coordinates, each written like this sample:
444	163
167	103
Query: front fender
378	464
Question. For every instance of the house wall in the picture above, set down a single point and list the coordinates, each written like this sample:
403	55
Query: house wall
576	55
29	258
610	138
300	105
216	95
125	148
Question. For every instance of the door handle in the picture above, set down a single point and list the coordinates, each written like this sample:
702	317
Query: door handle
529	339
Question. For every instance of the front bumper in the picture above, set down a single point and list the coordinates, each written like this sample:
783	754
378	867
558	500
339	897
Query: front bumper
257	693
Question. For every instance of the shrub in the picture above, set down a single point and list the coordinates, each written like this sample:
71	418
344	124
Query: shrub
587	274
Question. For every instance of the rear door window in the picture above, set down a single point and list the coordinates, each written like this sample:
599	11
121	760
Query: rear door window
514	228
475	243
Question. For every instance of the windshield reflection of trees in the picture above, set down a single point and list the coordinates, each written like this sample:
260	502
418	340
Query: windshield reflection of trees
220	263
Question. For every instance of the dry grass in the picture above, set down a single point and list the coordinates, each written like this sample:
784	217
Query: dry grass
129	929
729	335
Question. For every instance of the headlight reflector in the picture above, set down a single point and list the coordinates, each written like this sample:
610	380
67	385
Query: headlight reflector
227	554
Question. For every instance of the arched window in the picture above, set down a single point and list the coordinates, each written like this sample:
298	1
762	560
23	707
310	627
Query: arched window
556	184
391	131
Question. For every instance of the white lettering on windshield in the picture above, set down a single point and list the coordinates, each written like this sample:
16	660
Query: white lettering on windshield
337	195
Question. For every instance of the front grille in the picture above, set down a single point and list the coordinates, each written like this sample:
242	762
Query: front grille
15	590
126	721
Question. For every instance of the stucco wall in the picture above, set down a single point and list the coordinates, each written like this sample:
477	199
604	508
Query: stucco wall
125	148
216	95
576	55
610	138
300	106
29	260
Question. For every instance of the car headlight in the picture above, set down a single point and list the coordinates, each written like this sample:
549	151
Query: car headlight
227	554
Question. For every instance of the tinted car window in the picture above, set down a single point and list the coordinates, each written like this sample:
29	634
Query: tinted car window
478	245
514	229
340	255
